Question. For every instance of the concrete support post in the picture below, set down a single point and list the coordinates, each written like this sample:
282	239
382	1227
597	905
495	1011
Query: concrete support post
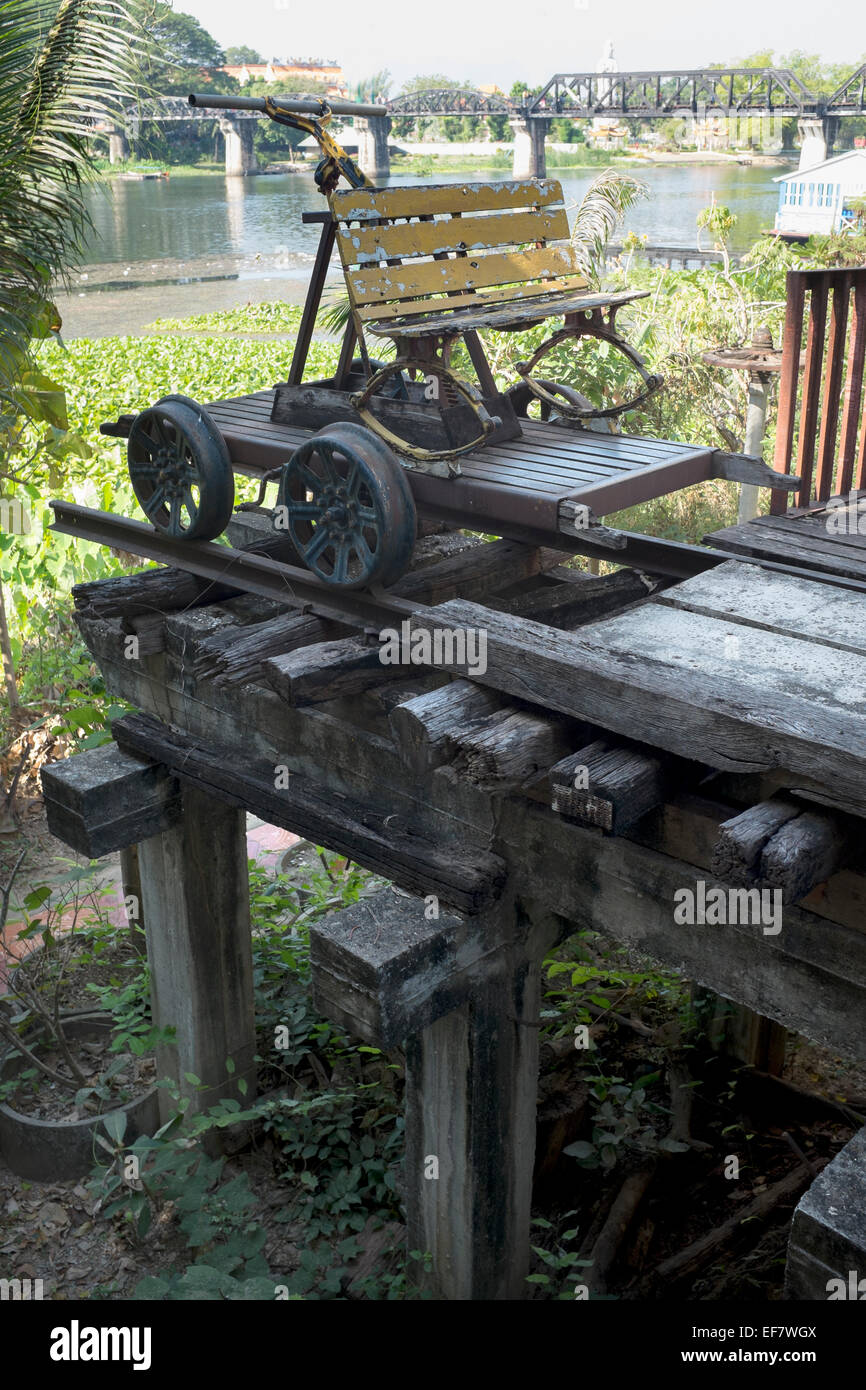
373	156
529	159
756	419
240	154
118	146
196	904
813	132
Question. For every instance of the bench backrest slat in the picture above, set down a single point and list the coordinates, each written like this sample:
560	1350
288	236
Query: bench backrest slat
381	284
371	245
371	204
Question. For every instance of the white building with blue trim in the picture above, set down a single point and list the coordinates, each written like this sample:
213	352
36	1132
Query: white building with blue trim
817	200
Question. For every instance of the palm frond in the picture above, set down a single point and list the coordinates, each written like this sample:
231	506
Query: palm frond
336	311
64	65
606	201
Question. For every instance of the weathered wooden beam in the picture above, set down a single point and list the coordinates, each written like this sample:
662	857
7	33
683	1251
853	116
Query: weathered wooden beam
628	676
104	800
778	845
471	1100
736	1031
391	965
427	729
579	597
508	747
802	854
230	657
195	892
606	785
477	571
135	595
464	876
810	977
309	675
467	568
743	468
149	630
737	855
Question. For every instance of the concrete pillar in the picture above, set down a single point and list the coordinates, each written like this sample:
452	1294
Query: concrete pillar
756	419
240	155
373	156
195	900
118	146
529	160
816	136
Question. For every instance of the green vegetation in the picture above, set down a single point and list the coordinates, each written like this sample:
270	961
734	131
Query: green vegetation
49	53
270	317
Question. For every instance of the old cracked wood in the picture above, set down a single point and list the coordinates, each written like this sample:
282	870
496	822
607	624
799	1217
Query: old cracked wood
744	696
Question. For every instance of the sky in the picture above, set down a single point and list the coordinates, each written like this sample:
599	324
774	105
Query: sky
500	42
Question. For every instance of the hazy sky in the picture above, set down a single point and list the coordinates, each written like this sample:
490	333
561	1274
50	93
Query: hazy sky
502	40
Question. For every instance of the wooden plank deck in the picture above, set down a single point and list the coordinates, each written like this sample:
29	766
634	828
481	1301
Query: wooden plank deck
828	539
517	482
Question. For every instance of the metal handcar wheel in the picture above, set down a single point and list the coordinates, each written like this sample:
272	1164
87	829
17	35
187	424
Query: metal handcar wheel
180	469
350	510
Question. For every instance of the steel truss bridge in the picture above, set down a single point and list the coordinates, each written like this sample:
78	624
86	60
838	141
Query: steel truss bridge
582	95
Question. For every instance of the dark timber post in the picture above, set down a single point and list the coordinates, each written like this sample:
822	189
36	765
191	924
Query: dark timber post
471	1097
196	904
464	994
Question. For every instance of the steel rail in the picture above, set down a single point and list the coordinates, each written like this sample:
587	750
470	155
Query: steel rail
243	569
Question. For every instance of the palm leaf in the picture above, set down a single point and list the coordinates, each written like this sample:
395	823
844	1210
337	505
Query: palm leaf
64	64
605	203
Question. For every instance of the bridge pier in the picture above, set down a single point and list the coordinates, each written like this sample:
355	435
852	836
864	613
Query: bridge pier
817	135
118	146
240	154
529	158
374	157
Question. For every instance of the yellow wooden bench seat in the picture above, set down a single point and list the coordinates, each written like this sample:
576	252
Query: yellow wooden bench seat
428	265
490	243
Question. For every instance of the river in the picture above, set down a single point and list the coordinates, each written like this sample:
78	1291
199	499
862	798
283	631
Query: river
191	244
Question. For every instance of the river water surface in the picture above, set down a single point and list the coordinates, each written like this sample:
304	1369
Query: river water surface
192	244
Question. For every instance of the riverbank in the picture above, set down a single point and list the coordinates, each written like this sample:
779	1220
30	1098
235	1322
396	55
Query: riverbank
419	162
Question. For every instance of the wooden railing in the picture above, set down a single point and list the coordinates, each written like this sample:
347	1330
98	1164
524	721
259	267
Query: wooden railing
821	397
